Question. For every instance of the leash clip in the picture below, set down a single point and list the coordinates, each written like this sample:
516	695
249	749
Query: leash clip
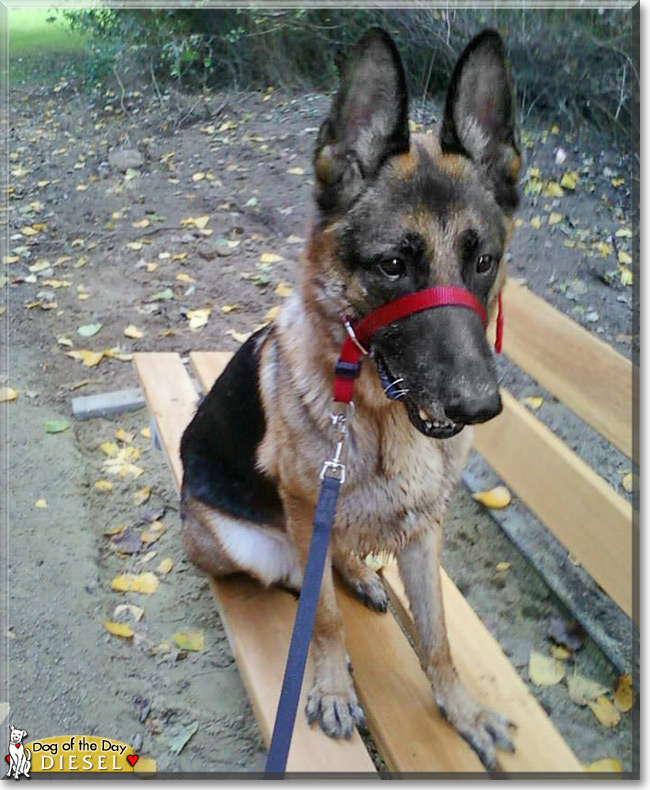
335	467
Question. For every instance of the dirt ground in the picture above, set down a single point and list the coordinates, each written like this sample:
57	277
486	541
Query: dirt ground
90	244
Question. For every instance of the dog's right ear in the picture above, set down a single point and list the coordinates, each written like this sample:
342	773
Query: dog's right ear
367	123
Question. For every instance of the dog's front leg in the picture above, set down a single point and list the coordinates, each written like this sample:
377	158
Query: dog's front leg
332	700
419	569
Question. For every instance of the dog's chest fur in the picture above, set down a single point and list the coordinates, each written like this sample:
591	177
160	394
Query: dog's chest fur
398	481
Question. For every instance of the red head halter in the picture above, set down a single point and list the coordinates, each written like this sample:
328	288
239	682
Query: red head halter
354	347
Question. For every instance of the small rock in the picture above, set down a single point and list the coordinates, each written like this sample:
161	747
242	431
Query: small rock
207	251
126	159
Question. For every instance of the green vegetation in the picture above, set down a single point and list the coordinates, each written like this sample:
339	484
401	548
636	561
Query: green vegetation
34	43
570	64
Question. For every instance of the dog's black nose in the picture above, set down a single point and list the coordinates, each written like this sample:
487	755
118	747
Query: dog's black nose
473	406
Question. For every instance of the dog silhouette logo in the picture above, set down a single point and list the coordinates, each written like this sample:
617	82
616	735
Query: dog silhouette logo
19	758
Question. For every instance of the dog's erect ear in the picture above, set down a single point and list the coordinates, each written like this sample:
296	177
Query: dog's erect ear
479	119
367	123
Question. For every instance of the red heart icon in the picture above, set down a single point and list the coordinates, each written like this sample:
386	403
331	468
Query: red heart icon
132	758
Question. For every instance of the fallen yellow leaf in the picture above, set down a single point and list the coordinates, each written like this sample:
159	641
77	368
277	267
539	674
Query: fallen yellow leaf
133	332
143	223
40	503
536	222
554	218
118	629
240	337
7	394
198	318
534	401
626	276
184	278
624	257
110	448
165	565
198	176
189	639
284	290
272	313
136	582
561	653
582	689
605	765
135	245
544	670
624	233
605	712
153	532
142	495
569	179
103	486
229	308
552	189
146	432
89	358
496	498
124	436
624	694
628	482
501	567
270	257
145	765
296	171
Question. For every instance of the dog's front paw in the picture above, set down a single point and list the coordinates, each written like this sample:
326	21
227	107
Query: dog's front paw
337	712
483	729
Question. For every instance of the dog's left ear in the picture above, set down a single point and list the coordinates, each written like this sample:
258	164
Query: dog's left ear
367	123
479	120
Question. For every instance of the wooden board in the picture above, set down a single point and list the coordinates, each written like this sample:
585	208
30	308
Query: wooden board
583	372
583	512
488	674
395	692
258	622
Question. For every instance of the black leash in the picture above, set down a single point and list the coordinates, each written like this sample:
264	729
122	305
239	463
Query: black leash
332	477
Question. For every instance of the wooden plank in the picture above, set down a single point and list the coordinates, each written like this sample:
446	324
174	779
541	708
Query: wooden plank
488	674
393	690
258	622
583	372
583	512
172	401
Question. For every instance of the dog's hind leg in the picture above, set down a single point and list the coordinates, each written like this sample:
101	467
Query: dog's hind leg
362	580
221	545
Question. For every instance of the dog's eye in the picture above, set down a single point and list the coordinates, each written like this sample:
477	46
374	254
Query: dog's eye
484	264
392	268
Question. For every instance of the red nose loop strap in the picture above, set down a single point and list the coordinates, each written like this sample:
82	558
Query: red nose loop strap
356	344
498	341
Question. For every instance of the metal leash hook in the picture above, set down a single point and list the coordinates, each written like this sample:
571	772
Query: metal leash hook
340	416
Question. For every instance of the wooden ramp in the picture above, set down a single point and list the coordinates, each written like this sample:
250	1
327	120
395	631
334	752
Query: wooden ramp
402	717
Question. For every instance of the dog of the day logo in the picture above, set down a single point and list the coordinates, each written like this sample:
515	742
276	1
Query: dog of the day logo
72	754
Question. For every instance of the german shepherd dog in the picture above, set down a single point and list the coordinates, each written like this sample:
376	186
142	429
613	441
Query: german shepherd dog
395	213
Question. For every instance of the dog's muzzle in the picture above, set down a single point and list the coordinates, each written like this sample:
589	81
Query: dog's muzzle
359	335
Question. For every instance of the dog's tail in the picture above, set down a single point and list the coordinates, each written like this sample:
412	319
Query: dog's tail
28	754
